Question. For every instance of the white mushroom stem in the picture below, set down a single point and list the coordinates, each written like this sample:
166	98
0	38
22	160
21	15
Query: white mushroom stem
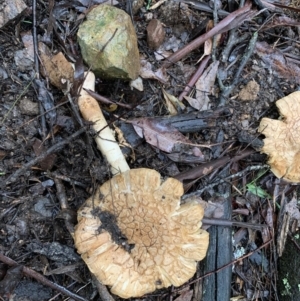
105	139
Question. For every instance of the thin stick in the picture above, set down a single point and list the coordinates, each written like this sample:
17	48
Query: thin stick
194	78
231	21
33	274
229	223
200	191
227	90
35	44
54	148
62	197
102	290
106	100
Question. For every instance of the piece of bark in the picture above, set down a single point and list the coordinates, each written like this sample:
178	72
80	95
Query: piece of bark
224	243
155	34
11	9
251	140
218	285
195	121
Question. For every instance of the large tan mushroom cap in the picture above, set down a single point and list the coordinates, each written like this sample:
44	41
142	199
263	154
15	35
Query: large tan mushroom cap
282	142
156	242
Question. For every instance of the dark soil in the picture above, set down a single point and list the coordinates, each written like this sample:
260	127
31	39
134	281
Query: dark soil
34	226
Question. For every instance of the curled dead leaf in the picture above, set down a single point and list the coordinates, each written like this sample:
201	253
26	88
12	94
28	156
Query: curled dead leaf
146	72
278	62
57	68
162	135
204	87
174	105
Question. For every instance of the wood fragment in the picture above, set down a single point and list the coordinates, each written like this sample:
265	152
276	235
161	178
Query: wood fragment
40	278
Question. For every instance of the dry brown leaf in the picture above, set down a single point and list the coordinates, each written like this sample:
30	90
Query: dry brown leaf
204	87
161	135
174	105
208	44
48	162
146	72
161	54
276	61
280	21
57	68
280	5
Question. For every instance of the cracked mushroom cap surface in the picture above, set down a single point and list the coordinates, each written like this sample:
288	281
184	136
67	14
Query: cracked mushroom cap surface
135	237
282	142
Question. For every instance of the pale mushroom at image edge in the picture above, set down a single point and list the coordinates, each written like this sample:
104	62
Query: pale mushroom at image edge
282	142
133	234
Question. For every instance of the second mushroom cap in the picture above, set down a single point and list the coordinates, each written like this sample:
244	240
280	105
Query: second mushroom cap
282	142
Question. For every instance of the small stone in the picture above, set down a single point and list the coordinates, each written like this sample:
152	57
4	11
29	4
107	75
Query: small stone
155	34
137	5
28	107
108	43
43	207
137	84
250	91
245	124
23	60
10	9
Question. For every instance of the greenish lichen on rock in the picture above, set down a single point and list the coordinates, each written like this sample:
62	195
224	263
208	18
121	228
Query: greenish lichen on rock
108	43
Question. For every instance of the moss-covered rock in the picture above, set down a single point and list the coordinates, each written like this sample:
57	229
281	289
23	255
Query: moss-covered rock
108	43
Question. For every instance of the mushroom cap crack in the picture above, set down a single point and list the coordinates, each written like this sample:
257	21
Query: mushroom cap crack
165	239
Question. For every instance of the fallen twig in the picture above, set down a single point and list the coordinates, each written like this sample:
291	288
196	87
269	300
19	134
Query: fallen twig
194	78
54	148
202	6
62	197
231	21
102	290
230	223
226	91
40	278
200	191
106	100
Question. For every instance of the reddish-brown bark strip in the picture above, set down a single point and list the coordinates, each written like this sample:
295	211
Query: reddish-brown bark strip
194	78
231	21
